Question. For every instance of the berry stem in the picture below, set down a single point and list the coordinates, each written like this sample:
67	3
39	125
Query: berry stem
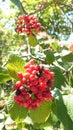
23	10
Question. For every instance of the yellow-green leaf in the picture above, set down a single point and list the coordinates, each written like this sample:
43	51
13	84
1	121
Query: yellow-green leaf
32	40
15	64
42	113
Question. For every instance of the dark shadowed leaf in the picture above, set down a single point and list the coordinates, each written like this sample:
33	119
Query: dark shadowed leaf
61	112
67	56
4	75
59	79
17	113
18	4
49	57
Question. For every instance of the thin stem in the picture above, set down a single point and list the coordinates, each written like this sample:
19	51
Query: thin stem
56	64
42	8
72	26
67	5
24	11
70	68
67	73
33	57
29	52
66	15
36	58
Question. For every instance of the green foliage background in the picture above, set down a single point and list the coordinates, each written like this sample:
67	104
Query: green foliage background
17	49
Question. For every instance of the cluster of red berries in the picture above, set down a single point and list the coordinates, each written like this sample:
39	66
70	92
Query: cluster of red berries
34	86
28	24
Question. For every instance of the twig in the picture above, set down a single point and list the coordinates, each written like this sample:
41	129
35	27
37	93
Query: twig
42	8
37	58
24	11
56	64
66	15
68	71
33	57
70	68
67	5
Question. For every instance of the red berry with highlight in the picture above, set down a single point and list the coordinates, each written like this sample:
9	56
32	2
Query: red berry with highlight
34	86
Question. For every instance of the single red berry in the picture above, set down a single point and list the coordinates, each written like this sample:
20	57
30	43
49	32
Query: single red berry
17	85
23	80
20	75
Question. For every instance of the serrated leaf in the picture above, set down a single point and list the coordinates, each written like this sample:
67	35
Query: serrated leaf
18	4
60	110
32	40
42	113
17	113
67	56
59	79
4	75
15	64
68	101
49	57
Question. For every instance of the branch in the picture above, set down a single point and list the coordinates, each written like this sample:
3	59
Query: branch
70	68
66	15
33	57
24	11
29	55
41	8
67	73
56	64
37	58
68	5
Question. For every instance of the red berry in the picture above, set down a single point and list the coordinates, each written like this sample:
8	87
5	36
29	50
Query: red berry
20	75
17	85
33	87
28	24
23	80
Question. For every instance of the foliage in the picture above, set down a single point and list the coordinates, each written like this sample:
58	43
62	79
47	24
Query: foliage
15	64
45	48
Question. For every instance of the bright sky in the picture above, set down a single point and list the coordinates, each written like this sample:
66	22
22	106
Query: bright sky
4	6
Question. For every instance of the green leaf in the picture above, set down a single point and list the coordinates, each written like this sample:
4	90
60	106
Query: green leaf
60	110
32	40
68	101
55	46
71	78
15	64
67	56
18	4
17	113
49	57
4	75
59	79
42	113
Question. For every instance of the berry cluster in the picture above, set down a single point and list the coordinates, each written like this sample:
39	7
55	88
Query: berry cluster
28	24
34	86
